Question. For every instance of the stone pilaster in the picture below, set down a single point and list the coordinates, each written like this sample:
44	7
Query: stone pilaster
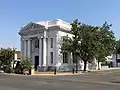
44	49
25	48
22	48
40	51
29	48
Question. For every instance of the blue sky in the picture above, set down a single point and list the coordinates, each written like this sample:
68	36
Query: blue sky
16	13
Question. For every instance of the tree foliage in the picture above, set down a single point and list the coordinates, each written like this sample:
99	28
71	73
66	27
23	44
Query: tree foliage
90	42
6	57
117	49
26	64
66	45
70	45
105	44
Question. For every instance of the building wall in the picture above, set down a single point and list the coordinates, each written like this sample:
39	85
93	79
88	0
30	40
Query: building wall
70	65
59	57
51	34
55	29
113	59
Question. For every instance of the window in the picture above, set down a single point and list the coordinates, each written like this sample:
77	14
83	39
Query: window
37	43
51	42
51	56
74	58
65	58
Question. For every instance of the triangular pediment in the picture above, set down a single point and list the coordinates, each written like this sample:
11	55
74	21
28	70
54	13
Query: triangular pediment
32	26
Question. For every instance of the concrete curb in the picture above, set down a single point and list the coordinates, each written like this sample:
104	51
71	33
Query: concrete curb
62	74
111	69
44	74
58	74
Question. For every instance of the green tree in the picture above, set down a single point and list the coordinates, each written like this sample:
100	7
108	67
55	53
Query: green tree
7	56
105	43
87	35
82	42
75	41
26	64
90	42
117	50
70	45
66	44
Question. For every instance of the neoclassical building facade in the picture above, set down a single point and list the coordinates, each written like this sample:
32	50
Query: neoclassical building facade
41	41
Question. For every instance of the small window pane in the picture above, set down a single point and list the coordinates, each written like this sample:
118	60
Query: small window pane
65	58
51	55
37	43
51	42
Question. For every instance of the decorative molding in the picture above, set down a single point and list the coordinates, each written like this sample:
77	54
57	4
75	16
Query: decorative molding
31	32
41	36
32	26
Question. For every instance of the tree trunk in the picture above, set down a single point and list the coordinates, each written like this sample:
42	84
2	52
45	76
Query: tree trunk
76	66
116	61
98	65
85	65
76	63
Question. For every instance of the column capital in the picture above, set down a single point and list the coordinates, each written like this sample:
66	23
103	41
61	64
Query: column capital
24	39
44	34
39	37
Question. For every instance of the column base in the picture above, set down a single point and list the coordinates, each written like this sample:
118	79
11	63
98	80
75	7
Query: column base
32	71
42	69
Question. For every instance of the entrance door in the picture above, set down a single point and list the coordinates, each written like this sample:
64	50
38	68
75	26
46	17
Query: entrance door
36	62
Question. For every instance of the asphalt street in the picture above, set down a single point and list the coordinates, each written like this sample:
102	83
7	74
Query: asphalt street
104	80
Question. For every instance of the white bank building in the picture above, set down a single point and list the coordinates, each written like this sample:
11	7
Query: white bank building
41	41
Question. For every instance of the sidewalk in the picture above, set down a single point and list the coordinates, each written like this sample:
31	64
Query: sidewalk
62	73
107	69
57	73
70	73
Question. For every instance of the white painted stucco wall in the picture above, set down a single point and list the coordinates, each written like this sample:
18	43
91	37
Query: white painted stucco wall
55	29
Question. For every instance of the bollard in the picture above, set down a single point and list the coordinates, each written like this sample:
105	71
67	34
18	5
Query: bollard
73	71
55	71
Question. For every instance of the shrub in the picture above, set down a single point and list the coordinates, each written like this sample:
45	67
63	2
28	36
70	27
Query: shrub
18	68
26	64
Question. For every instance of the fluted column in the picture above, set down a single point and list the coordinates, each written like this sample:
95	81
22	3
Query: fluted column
25	48
49	57
44	49
22	48
29	48
40	48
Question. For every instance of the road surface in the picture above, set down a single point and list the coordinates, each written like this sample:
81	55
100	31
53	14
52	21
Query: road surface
105	80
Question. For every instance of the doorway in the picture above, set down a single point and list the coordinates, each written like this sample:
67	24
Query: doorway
36	62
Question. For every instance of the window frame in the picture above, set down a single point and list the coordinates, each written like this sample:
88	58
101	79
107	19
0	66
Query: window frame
51	42
51	57
65	57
